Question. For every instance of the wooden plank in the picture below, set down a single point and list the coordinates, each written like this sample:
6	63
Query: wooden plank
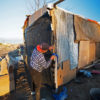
4	85
7	83
56	83
3	65
98	50
84	48
12	82
86	30
92	52
65	74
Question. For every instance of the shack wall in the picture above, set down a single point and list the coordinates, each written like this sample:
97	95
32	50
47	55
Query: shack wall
7	83
87	53
67	49
65	74
86	30
92	52
98	50
65	46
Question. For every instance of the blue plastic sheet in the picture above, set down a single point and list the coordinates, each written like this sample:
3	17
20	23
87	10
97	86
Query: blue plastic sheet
55	55
86	73
62	96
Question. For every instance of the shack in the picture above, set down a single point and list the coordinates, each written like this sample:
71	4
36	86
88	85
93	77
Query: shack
76	40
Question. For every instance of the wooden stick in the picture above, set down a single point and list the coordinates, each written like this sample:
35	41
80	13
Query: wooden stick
89	66
56	83
58	2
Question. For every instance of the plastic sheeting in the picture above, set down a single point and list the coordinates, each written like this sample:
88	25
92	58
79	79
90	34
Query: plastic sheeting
67	49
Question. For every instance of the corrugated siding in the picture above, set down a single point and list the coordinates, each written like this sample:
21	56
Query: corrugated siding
66	48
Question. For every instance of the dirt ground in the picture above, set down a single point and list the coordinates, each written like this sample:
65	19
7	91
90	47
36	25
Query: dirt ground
5	48
77	89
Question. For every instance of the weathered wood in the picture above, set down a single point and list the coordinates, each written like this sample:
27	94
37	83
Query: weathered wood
65	74
7	83
4	67
86	30
4	85
92	52
97	50
84	48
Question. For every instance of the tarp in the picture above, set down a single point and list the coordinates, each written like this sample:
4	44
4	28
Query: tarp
67	49
86	29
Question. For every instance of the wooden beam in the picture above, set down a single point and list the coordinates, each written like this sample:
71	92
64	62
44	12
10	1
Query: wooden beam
58	2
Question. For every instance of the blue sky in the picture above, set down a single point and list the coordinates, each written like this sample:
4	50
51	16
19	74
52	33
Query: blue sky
12	14
87	8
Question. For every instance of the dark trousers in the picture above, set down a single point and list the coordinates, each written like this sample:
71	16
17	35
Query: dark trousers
37	79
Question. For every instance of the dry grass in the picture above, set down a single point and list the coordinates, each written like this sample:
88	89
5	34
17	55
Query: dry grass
5	48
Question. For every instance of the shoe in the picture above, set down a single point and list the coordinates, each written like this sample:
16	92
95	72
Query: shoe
32	93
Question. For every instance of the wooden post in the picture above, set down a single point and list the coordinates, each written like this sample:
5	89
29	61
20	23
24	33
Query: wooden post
57	2
56	81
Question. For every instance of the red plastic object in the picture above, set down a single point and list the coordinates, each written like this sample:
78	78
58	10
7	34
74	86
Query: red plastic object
93	21
95	72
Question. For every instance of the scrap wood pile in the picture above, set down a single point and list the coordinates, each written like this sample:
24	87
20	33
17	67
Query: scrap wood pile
8	62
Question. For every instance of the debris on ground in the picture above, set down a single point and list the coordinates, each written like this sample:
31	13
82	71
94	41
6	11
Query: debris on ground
85	73
62	95
77	89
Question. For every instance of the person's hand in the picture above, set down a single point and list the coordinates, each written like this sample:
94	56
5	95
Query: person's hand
52	57
51	48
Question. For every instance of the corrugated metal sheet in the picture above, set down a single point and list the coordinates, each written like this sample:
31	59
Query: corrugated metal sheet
37	14
66	48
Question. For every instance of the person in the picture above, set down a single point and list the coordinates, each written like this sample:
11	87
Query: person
37	64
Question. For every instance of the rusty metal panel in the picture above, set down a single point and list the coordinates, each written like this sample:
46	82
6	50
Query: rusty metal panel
67	49
86	30
37	15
